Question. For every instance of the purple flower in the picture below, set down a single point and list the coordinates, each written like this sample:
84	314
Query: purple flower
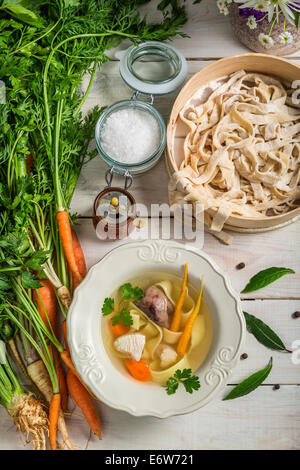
246	12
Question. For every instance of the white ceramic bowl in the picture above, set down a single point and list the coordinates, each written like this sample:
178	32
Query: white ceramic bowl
89	355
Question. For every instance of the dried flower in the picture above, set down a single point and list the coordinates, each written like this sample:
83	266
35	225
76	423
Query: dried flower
252	23
285	38
266	40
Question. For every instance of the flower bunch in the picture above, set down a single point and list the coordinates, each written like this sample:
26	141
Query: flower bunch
272	11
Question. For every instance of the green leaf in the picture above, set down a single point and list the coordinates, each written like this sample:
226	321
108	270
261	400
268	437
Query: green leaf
124	317
7	331
265	277
3	359
185	377
36	260
263	333
4	282
29	281
172	386
131	293
23	14
297	16
251	383
108	306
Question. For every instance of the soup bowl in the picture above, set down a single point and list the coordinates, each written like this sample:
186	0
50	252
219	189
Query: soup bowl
117	388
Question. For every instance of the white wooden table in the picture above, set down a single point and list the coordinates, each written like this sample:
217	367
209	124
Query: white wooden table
265	419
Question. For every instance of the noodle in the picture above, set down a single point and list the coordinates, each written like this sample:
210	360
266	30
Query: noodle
242	153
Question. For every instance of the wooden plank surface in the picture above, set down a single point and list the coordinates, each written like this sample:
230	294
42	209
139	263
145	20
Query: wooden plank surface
266	419
259	251
211	32
148	188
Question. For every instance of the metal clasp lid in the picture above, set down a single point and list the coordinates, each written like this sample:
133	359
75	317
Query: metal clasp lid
137	94
118	171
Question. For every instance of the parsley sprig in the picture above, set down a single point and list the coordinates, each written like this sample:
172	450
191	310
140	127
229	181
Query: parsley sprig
108	306
124	317
185	377
128	293
131	293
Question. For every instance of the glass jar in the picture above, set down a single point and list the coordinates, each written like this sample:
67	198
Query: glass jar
150	69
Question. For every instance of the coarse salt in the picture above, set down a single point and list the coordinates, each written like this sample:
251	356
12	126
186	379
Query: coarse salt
130	135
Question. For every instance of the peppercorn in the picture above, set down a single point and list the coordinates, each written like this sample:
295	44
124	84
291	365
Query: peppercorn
296	315
276	387
240	266
244	356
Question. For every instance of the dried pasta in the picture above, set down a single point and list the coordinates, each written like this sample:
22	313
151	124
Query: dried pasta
242	152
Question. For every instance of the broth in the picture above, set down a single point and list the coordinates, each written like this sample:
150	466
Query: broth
158	338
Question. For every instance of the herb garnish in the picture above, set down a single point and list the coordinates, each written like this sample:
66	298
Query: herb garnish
124	317
131	293
108	306
128	293
185	377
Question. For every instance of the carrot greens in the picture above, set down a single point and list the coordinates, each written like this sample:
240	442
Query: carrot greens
47	47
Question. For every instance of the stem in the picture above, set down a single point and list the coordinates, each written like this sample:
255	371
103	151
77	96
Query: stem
9	167
82	101
50	56
59	198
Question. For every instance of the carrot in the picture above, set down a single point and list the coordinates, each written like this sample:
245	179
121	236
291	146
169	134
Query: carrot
53	419
65	355
119	329
65	232
83	400
79	258
187	332
60	377
138	369
64	330
45	299
177	312
40	377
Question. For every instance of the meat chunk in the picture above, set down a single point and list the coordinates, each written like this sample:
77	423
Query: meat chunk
156	305
167	355
131	344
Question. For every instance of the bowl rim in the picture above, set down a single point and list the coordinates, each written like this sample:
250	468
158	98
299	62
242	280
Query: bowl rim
294	213
223	362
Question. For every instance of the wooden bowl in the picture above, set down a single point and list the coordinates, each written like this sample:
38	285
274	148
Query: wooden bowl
177	130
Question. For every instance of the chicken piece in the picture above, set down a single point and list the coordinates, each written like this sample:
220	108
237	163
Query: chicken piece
156	305
131	344
167	356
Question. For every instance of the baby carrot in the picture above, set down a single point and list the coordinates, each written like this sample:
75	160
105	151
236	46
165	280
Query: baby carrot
53	419
67	243
138	369
187	332
84	401
177	312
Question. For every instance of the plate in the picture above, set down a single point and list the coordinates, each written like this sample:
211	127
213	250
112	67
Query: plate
117	389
